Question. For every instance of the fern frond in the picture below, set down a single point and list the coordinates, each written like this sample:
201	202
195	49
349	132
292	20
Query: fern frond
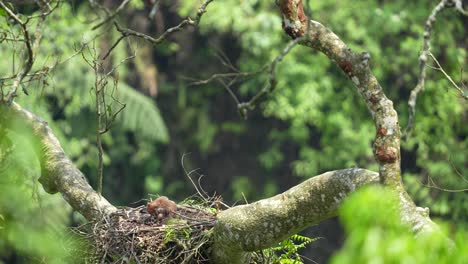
141	114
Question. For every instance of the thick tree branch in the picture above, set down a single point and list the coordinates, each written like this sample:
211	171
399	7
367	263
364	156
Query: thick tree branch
265	223
260	225
356	67
58	173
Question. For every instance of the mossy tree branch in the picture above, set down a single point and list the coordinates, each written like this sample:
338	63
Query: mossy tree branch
356	67
265	223
247	228
58	173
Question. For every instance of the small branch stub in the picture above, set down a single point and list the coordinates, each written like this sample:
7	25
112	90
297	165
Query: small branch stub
294	19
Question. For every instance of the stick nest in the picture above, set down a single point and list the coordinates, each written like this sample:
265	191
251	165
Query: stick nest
132	235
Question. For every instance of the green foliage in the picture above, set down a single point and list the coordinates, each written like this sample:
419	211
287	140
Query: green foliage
286	252
176	234
137	4
32	223
71	80
288	249
376	235
154	184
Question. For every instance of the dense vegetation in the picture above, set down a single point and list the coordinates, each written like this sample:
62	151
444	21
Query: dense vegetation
313	122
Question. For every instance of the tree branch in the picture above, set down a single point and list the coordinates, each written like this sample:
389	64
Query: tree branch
271	82
260	225
265	223
125	32
111	16
58	173
356	67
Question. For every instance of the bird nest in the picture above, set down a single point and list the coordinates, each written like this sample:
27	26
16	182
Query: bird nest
132	235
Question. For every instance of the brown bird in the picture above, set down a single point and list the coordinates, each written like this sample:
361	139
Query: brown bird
162	207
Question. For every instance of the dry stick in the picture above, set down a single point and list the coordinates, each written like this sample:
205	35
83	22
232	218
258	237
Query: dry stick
98	92
228	89
233	75
128	32
454	84
432	185
43	4
191	180
46	69
100	84
456	171
154	10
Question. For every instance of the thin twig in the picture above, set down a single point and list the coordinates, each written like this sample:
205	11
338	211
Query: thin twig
112	15
186	22
447	76
228	88
443	4
235	74
190	178
431	184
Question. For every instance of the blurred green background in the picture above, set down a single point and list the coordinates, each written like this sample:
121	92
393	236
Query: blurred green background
312	123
